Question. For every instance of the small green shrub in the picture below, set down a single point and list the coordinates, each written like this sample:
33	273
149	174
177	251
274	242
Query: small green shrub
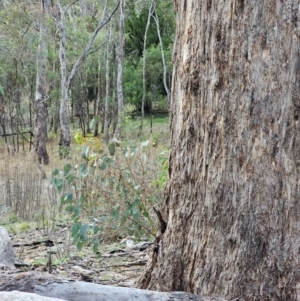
110	193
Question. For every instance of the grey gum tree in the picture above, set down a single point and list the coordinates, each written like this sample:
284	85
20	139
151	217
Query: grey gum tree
231	211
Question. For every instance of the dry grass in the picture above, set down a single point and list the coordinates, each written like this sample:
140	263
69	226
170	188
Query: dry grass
22	189
24	193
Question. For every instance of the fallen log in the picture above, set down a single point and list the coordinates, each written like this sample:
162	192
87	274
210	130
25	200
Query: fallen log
82	291
47	285
21	296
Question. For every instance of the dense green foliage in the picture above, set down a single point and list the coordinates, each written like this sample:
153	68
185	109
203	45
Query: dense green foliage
135	30
156	94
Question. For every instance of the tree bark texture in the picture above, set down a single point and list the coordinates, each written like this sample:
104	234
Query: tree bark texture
231	205
40	104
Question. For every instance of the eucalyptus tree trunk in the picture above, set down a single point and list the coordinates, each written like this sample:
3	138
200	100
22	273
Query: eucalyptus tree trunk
40	103
121	50
98	101
54	112
114	98
230	215
107	87
65	137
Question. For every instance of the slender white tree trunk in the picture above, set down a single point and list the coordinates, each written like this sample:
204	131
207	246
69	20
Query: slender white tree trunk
107	88
65	137
121	50
155	17
99	96
150	13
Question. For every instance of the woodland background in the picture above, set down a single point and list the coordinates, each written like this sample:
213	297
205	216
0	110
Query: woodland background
93	90
56	189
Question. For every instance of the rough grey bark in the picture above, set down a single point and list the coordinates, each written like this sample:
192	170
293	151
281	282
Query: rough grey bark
121	50
40	103
230	215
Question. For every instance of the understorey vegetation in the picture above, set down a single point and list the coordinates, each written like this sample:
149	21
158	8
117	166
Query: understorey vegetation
111	192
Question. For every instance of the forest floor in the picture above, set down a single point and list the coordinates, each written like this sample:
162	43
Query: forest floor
116	265
42	242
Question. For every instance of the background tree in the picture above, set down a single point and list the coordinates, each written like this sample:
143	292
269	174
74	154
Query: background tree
40	104
230	216
121	50
150	12
20	36
107	114
66	79
155	17
17	74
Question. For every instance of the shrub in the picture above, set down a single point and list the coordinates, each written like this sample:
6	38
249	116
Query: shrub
111	193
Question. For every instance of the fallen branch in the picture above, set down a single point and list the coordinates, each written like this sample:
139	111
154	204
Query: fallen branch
48	285
47	242
128	264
